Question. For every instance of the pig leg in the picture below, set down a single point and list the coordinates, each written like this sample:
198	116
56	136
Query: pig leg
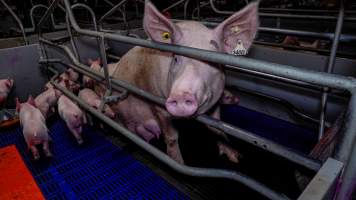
77	135
224	148
35	153
46	150
149	130
170	137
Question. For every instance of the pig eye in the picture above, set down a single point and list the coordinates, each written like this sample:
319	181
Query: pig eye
166	35
175	59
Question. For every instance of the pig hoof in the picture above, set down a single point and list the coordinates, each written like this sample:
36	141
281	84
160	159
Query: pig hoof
80	141
49	154
231	153
36	157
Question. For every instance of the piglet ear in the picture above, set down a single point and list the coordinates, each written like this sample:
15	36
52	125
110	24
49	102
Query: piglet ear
158	27
31	101
18	105
239	30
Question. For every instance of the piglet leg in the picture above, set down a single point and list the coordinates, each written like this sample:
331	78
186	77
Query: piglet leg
46	150
35	153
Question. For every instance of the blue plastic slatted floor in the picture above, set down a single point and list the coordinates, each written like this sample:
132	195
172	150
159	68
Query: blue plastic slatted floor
96	170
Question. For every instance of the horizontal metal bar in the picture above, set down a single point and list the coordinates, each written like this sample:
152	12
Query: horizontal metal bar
279	15
329	36
313	77
305	10
227	128
187	170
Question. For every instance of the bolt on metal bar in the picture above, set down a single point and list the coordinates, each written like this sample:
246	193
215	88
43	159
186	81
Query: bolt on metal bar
18	21
292	16
331	64
191	171
227	128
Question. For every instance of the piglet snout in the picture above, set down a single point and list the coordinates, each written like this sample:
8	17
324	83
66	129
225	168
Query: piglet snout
182	105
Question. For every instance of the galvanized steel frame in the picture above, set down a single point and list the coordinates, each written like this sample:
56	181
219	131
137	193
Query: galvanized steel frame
345	146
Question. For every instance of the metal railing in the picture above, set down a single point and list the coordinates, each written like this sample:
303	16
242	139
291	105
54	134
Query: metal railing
345	144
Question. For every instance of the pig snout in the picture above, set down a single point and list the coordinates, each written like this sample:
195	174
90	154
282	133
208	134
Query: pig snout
184	105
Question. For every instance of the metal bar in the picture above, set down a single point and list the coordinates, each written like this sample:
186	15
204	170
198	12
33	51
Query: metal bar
47	14
320	78
17	19
348	186
330	36
111	11
32	29
191	171
323	182
72	42
321	51
186	8
331	64
279	15
105	64
305	10
227	128
173	5
285	103
345	152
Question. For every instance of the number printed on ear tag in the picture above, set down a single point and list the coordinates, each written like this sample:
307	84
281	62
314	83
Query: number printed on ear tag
239	50
166	35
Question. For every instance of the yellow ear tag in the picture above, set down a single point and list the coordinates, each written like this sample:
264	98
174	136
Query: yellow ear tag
166	35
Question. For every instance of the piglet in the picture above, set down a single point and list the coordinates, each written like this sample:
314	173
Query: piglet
229	99
70	74
70	85
90	97
46	100
94	65
5	88
34	127
73	116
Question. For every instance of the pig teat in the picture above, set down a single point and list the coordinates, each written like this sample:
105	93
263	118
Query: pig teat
184	105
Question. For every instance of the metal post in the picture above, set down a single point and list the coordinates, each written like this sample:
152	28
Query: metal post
331	63
17	19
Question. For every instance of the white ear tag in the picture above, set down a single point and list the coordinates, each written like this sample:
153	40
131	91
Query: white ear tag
239	50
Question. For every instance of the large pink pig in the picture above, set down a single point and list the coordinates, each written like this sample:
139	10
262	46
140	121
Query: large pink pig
73	116
90	97
46	101
34	127
191	87
5	88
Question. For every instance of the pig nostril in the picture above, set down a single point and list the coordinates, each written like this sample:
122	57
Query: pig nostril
188	102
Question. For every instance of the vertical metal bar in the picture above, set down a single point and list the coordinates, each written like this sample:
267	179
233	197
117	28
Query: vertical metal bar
198	9
105	63
186	8
331	63
72	42
17	19
349	178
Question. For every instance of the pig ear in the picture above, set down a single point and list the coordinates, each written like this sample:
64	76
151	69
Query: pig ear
239	29
158	27
18	105
31	101
66	82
